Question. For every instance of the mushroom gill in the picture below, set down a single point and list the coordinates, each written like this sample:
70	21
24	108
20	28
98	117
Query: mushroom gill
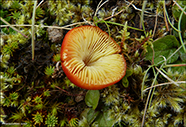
91	59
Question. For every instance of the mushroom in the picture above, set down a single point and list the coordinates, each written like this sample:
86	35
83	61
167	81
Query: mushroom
90	58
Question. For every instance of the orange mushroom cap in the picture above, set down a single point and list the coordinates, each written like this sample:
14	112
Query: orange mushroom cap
90	58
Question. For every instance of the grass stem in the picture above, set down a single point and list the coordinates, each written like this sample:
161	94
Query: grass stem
33	31
179	28
11	26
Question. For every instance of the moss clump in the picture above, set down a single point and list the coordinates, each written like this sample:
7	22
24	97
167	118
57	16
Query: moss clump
61	10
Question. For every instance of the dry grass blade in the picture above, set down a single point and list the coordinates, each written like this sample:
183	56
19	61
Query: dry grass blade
164	13
164	75
99	6
39	4
179	7
167	83
118	12
55	27
12	27
33	22
155	25
179	28
147	101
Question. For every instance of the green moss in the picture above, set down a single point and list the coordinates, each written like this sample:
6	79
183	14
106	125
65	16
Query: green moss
62	11
81	13
49	71
110	95
38	118
37	92
51	120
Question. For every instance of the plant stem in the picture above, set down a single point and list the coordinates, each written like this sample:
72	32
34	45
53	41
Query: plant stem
179	28
174	65
145	109
142	15
167	77
170	21
143	82
33	33
161	84
179	6
55	27
118	24
107	26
